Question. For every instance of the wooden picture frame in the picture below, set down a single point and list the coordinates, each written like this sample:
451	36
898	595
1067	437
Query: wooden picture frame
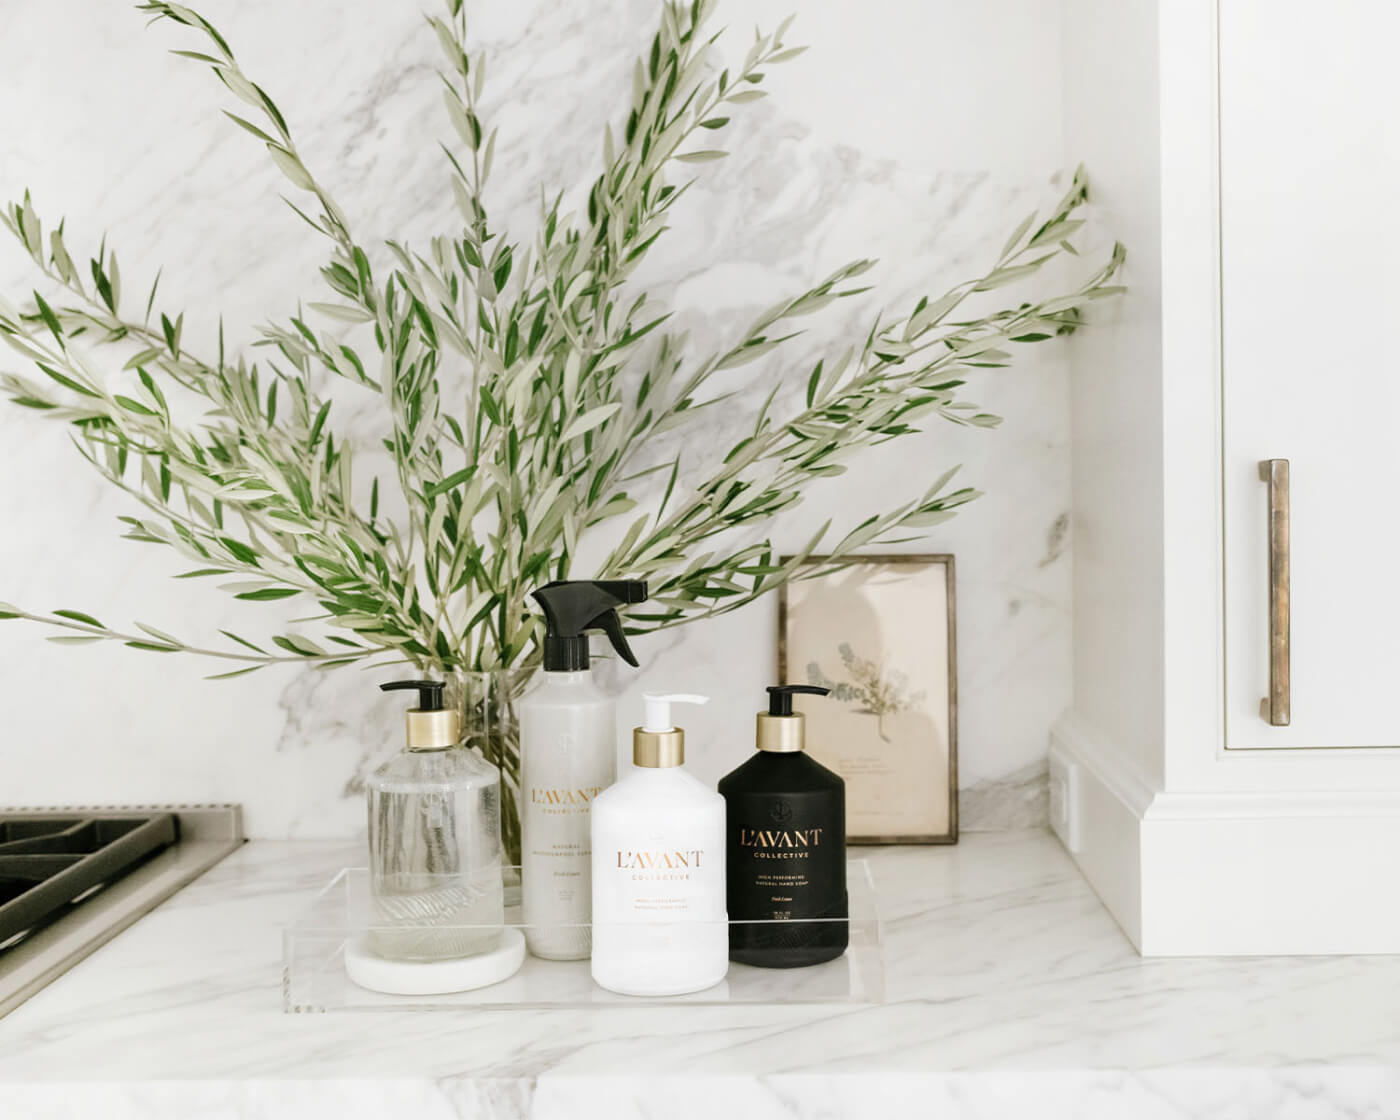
890	730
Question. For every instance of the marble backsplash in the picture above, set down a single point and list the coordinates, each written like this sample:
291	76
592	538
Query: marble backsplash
865	148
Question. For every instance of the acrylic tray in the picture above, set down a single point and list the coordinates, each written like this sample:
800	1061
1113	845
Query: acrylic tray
314	979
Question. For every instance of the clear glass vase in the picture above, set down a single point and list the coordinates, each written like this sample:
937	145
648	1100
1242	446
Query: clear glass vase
488	705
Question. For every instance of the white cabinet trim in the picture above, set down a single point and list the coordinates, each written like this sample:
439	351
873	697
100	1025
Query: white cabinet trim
1233	872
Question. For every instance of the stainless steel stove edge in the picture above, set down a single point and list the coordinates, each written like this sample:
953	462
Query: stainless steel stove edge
208	833
207	821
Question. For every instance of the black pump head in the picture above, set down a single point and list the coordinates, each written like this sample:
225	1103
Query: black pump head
780	696
573	607
429	693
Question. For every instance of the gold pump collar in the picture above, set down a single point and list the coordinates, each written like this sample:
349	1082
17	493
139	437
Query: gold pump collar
781	734
658	749
433	730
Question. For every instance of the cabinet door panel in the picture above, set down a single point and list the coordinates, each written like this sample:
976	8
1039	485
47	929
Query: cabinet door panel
1310	248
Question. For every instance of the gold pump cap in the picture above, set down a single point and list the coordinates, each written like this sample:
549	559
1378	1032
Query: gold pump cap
430	726
432	731
781	733
659	743
780	729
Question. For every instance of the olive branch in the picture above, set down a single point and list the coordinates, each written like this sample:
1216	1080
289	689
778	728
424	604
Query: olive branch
520	382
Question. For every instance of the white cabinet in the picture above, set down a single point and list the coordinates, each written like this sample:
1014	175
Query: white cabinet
1246	153
1309	99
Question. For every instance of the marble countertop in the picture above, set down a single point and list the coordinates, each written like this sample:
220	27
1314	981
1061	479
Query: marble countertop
1010	992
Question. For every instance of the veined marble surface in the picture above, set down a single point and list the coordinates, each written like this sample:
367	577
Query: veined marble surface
1010	993
866	148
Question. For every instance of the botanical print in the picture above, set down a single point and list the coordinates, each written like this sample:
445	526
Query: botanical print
879	634
879	691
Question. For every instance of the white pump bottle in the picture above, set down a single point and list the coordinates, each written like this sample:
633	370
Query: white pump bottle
659	924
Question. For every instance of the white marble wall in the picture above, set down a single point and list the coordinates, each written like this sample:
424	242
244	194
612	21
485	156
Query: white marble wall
915	131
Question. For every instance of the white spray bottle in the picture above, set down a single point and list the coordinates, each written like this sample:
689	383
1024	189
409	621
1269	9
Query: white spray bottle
568	755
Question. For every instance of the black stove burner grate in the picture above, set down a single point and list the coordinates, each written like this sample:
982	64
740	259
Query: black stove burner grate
48	863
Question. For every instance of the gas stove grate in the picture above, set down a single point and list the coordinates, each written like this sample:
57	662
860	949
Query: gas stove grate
50	863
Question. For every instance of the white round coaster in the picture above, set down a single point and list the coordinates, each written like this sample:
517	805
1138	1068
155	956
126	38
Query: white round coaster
434	978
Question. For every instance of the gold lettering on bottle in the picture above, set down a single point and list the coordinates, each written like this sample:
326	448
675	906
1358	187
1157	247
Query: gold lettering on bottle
780	837
583	796
654	861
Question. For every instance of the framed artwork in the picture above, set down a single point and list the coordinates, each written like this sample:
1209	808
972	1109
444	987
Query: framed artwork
879	632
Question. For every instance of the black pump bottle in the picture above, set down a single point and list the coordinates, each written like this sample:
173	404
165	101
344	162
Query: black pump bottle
785	841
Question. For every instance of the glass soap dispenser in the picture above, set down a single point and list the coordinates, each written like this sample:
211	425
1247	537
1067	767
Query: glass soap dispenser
435	842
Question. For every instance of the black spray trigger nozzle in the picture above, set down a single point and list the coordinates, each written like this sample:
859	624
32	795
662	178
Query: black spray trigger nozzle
611	625
429	693
574	607
780	696
623	590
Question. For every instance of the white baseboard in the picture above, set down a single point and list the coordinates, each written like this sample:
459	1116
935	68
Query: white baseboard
1228	873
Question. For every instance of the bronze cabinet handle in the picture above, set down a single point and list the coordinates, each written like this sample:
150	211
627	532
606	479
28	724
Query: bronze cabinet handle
1274	708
